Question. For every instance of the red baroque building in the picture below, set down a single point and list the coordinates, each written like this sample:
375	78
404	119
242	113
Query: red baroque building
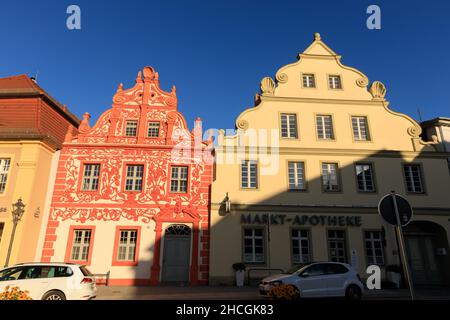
132	192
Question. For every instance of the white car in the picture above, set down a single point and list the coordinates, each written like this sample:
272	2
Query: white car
320	279
50	281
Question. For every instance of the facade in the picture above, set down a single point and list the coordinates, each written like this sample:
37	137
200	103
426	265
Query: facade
32	129
131	193
439	128
307	167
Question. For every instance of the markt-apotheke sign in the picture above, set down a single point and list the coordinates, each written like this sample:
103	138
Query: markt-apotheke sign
2	209
301	220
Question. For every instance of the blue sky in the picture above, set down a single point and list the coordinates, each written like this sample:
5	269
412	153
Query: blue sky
216	52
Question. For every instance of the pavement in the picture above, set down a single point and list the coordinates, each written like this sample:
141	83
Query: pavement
243	293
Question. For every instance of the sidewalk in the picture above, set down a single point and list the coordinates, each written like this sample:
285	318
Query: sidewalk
242	293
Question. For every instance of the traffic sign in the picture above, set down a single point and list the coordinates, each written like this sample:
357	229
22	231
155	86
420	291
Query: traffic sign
386	208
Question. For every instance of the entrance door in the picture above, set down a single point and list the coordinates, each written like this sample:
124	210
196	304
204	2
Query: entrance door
421	256
177	253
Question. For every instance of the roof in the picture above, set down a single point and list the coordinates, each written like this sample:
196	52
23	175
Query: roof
24	86
444	121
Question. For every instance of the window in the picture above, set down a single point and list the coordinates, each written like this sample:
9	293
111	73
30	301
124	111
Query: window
2	226
4	168
309	81
253	245
131	128
360	129
296	175
289	125
335	82
364	177
315	270
374	247
11	274
332	268
127	245
135	175
413	178
336	246
90	177
81	245
249	174
153	130
300	246
179	179
324	127
330	177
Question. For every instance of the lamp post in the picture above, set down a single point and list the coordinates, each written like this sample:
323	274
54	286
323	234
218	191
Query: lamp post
17	213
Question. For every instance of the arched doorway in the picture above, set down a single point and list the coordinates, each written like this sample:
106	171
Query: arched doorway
428	253
176	254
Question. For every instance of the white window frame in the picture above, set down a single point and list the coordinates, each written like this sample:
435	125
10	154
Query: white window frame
308	80
327	172
176	182
371	256
253	237
296	241
340	258
296	175
153	129
335	82
84	245
133	128
91	180
291	125
131	181
409	175
126	248
324	131
5	165
249	174
360	124
364	178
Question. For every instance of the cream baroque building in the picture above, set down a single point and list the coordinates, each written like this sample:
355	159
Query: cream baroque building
314	156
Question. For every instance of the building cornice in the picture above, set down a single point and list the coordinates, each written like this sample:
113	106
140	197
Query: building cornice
239	208
332	152
375	103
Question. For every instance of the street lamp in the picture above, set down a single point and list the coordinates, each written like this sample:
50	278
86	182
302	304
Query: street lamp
17	213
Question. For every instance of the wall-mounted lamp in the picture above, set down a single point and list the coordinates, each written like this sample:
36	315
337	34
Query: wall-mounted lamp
227	203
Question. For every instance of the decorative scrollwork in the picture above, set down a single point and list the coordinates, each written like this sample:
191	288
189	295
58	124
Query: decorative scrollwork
267	86
378	90
414	131
282	77
362	82
242	124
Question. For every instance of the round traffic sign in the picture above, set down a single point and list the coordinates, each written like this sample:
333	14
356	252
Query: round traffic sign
386	208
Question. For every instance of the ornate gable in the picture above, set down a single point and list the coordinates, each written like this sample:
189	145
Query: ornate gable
142	104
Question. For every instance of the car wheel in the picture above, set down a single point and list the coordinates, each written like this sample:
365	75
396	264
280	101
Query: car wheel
353	293
54	295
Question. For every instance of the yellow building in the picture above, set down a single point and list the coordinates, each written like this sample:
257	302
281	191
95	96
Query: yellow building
32	129
314	156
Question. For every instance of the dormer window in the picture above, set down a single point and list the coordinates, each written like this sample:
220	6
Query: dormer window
334	82
153	129
309	81
131	128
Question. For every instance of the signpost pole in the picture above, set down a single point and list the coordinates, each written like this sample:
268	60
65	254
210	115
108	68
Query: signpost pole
401	242
268	243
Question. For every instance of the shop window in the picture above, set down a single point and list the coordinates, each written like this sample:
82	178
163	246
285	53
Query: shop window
374	247
337	246
253	245
301	252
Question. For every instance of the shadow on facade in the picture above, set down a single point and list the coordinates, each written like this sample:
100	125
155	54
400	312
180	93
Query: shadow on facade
426	237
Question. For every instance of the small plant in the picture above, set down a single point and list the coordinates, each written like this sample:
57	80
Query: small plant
284	292
239	266
14	293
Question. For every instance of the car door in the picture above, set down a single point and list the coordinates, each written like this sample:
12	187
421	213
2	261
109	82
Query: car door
10	277
312	281
35	281
336	279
